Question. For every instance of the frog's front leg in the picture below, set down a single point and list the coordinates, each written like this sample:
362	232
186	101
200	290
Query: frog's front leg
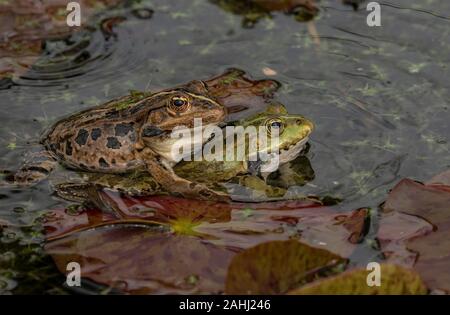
165	176
37	167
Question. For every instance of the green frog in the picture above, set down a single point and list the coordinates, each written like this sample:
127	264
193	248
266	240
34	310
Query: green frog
294	131
128	134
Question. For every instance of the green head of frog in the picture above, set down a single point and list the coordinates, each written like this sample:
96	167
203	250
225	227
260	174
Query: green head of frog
290	130
293	132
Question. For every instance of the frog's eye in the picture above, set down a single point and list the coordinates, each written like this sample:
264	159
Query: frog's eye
273	124
179	103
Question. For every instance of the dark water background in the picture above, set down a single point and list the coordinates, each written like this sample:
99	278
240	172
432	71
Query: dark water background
379	96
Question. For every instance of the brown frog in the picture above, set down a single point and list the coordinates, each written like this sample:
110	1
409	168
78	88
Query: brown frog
127	134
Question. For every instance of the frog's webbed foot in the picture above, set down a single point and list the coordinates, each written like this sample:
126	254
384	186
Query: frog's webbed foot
37	167
74	192
174	184
87	194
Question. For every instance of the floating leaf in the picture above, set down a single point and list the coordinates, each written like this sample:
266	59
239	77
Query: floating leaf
166	209
431	203
394	280
441	179
394	229
276	267
237	224
135	226
143	260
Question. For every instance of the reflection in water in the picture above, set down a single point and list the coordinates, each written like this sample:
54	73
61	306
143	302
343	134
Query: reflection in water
296	173
254	10
243	187
29	29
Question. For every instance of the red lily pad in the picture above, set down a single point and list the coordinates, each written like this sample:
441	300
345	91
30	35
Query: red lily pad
254	10
247	224
158	232
61	222
431	203
164	209
177	212
287	6
316	226
394	230
139	260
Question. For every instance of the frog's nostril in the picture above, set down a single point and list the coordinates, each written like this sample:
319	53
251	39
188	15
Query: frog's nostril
299	122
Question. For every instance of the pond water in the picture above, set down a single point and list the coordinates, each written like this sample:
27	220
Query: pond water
379	97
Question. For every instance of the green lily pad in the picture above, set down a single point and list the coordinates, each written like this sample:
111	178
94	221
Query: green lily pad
276	267
394	280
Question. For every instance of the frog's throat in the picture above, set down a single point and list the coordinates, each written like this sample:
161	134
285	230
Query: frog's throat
165	148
